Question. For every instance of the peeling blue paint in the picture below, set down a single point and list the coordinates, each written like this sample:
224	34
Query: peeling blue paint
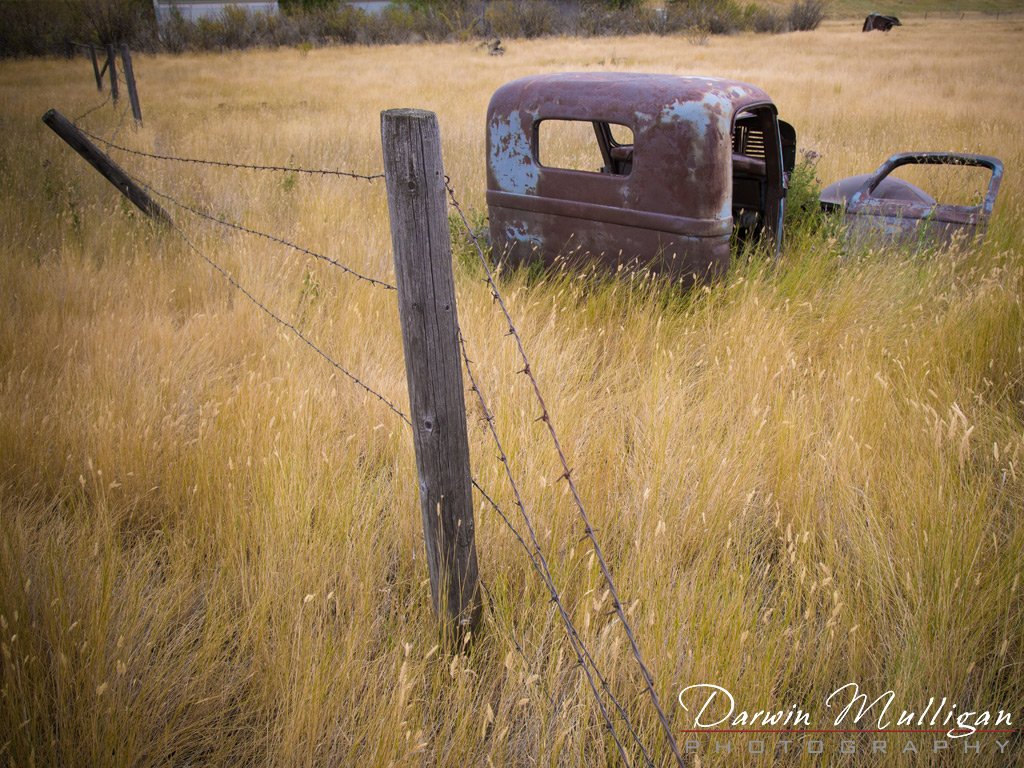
511	157
700	114
643	118
725	212
519	233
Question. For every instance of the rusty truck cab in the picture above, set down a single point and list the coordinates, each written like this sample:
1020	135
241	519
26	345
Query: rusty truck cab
687	166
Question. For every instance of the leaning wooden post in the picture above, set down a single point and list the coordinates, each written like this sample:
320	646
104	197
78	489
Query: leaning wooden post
129	78
96	68
99	160
414	175
112	66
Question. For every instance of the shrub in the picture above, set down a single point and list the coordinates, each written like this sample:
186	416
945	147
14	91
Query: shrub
117	21
803	209
770	21
235	28
37	28
509	18
718	17
805	15
176	33
340	25
446	19
697	35
293	7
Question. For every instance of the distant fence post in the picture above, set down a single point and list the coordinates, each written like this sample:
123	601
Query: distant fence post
112	66
129	78
96	68
110	170
414	175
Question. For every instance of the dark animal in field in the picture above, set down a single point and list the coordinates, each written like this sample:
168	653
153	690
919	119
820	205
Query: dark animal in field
878	21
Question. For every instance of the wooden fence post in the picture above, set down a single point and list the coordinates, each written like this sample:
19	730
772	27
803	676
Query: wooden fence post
414	175
107	167
129	78
96	68
112	66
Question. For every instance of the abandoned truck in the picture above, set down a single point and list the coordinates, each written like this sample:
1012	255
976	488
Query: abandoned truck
680	168
882	209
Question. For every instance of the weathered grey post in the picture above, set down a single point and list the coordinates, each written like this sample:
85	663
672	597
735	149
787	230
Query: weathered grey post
96	68
129	78
414	175
99	160
112	66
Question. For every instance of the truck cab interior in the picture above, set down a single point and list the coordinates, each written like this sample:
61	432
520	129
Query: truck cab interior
764	154
763	157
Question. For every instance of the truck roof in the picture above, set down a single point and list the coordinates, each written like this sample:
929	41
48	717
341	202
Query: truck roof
629	92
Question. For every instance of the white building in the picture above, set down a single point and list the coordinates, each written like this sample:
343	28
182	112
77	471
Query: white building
193	10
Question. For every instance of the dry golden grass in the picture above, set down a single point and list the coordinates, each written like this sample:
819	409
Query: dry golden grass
210	550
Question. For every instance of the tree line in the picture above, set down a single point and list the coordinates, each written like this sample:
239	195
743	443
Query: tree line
44	27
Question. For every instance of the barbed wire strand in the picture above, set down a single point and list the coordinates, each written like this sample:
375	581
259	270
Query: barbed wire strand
574	639
272	238
536	554
336	365
125	108
281	321
227	164
91	110
540	564
567	476
224	273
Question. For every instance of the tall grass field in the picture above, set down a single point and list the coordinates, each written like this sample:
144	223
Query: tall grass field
806	475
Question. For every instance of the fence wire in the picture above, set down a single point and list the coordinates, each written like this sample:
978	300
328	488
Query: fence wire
91	110
229	164
280	320
545	416
579	648
125	109
272	238
535	553
584	658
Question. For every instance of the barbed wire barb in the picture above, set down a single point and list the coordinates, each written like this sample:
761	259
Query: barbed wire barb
574	492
